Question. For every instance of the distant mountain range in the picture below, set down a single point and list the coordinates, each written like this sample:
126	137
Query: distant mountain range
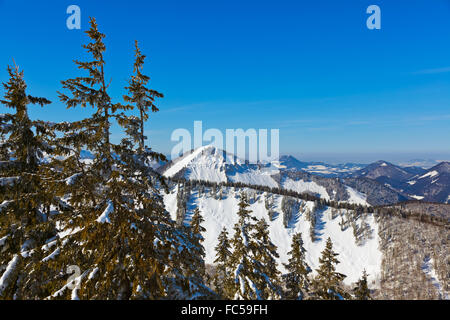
320	168
211	164
423	163
431	185
378	183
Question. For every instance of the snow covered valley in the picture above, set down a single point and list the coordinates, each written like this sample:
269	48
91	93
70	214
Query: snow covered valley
219	209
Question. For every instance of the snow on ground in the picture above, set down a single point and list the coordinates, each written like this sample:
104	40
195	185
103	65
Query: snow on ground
356	197
208	163
428	269
305	186
222	213
318	168
253	177
429	174
199	166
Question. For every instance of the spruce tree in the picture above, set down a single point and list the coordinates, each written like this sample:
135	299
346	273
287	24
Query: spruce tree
194	260
221	279
361	290
296	279
190	280
25	199
120	235
328	282
267	276
241	262
142	97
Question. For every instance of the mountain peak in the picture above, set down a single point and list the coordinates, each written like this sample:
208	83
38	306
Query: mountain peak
443	167
383	163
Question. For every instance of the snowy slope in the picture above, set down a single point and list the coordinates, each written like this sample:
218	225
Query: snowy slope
250	175
220	213
433	185
208	163
430	273
357	197
205	163
301	186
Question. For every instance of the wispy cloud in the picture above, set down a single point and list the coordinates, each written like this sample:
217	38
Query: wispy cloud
183	107
434	118
337	124
433	71
358	123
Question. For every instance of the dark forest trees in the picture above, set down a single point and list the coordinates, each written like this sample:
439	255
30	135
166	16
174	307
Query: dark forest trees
25	196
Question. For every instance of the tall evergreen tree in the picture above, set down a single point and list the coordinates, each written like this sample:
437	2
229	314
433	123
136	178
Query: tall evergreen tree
267	280
296	279
241	262
24	179
142	97
187	266
328	282
361	290
222	279
188	281
195	259
120	235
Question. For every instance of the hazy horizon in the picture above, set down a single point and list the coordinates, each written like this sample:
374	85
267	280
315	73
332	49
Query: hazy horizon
425	160
368	158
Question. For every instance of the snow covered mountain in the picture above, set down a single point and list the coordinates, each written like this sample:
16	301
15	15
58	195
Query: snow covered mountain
433	185
412	182
219	209
211	164
386	173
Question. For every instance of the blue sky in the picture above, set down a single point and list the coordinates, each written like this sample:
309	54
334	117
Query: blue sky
336	90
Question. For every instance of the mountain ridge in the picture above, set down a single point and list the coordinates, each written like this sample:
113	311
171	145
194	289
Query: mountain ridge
215	165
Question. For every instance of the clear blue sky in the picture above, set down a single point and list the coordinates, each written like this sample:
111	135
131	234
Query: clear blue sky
336	90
